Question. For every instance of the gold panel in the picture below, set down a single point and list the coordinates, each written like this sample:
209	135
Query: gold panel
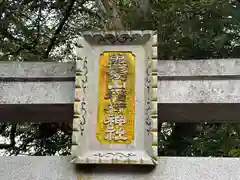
116	99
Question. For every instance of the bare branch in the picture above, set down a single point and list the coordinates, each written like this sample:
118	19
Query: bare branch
60	26
39	23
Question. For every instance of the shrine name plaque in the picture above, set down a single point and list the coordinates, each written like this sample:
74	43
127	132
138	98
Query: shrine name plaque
115	108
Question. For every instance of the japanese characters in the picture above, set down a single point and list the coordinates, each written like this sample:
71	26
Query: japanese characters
116	94
118	99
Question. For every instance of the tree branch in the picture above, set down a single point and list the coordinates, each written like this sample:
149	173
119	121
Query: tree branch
38	23
2	129
58	30
115	21
91	13
12	138
14	53
141	7
24	145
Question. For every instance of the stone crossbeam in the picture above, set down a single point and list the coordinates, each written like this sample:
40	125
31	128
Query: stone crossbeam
188	91
169	168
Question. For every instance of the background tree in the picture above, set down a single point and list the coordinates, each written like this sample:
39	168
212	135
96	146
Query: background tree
44	30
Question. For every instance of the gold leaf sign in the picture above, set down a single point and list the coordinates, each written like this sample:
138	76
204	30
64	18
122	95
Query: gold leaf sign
116	100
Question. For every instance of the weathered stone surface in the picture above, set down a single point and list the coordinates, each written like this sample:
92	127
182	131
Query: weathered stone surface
207	67
169	168
165	68
199	91
36	69
36	101
216	91
188	90
37	92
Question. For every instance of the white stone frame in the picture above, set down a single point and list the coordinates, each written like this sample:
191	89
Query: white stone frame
143	150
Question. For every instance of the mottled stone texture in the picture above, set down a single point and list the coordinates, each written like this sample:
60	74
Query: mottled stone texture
199	91
188	90
169	168
36	69
207	67
191	99
33	91
37	92
191	90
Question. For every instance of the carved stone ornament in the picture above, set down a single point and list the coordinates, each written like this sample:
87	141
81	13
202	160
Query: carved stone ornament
115	108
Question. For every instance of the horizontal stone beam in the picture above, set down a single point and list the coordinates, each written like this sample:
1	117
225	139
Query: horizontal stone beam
169	168
165	68
196	68
36	101
188	91
199	90
36	91
31	70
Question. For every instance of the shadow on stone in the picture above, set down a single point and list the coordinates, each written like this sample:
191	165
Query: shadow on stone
114	168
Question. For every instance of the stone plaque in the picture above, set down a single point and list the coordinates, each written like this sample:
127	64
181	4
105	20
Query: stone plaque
115	108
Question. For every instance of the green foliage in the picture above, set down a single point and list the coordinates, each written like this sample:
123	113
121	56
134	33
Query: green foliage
29	29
